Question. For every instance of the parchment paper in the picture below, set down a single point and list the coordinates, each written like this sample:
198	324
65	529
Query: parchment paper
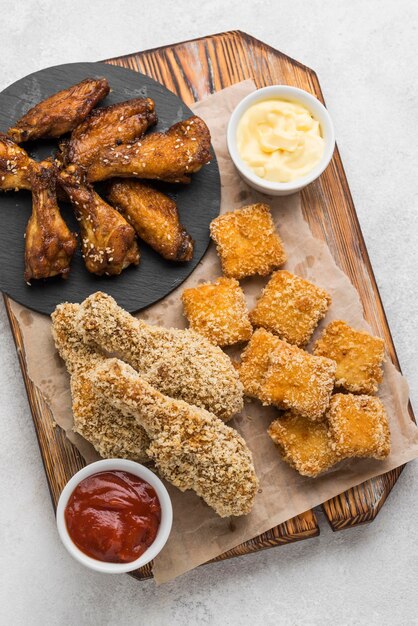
198	533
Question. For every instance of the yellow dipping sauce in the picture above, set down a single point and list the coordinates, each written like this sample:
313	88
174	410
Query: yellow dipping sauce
279	140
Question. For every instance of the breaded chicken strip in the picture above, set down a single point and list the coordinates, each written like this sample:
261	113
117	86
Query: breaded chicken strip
61	112
112	433
109	126
192	448
179	363
171	156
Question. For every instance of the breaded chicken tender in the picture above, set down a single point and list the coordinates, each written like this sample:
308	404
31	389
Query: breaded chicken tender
191	448
179	363
112	433
359	426
281	374
291	307
218	311
305	445
247	242
359	357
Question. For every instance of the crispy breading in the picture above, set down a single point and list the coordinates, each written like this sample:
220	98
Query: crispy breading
291	307
61	112
171	156
299	381
108	242
218	311
154	216
191	448
247	242
15	165
305	445
359	426
112	433
49	244
116	124
282	374
255	361
359	357
179	363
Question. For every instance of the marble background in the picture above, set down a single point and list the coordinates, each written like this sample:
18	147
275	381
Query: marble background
365	53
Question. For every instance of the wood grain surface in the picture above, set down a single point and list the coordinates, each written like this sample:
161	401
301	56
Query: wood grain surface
193	70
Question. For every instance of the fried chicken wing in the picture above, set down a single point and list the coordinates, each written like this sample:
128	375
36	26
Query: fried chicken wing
192	448
15	165
117	124
107	240
61	112
112	433
171	156
49	244
179	363
154	216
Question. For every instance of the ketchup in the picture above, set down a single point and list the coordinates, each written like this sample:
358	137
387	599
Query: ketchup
113	516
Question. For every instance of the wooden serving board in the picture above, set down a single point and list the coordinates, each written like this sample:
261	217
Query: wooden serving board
193	70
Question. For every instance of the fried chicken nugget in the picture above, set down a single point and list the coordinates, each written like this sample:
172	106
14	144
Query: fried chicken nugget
218	311
112	433
359	426
247	242
359	357
255	361
192	448
179	363
304	445
291	307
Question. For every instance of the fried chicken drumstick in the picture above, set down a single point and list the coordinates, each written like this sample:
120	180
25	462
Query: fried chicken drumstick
107	240
61	112
154	216
171	156
179	363
192	448
111	432
117	124
15	165
49	244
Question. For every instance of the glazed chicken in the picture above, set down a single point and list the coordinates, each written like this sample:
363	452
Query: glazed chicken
108	242
170	156
117	124
61	112
49	244
154	216
15	165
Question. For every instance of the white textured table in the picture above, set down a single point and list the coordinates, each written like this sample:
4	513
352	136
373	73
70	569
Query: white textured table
365	56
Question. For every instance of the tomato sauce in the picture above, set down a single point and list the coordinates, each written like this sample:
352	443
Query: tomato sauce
113	516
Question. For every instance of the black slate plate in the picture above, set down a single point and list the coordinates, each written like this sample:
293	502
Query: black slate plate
137	287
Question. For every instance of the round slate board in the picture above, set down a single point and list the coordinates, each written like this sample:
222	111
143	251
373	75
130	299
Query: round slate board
137	287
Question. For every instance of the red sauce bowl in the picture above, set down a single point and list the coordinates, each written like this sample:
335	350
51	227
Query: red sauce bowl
114	516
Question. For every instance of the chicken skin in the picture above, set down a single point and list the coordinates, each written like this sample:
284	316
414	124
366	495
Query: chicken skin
154	217
49	244
15	165
114	125
107	240
171	156
61	112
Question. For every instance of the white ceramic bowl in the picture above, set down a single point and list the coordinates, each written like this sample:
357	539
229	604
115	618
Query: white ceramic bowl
139	470
318	111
